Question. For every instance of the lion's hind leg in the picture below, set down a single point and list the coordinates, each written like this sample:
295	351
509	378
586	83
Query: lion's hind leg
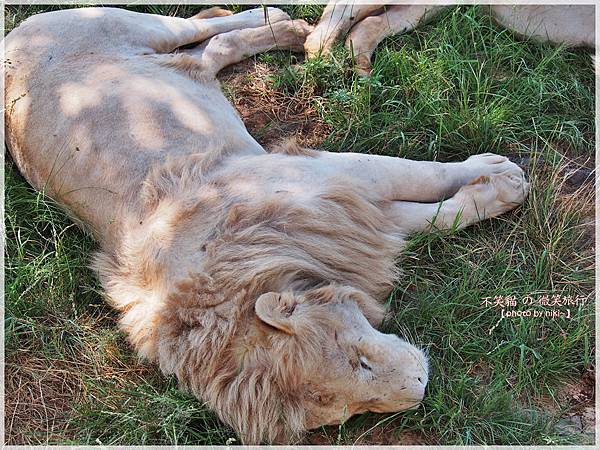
165	34
232	47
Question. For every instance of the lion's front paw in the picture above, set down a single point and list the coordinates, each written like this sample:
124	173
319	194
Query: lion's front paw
492	195
298	30
511	186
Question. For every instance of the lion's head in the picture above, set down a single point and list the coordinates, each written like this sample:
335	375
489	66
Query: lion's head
313	358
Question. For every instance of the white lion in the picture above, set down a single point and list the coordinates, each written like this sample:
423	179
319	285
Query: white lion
254	277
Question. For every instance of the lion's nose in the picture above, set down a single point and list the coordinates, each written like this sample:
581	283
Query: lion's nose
422	380
418	388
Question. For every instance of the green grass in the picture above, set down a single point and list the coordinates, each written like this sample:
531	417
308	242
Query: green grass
455	87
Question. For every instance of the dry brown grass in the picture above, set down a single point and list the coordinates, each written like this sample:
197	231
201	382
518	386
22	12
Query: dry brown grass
269	113
43	389
39	399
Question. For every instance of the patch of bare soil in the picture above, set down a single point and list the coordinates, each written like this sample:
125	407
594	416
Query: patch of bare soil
578	178
41	395
370	432
575	403
42	392
575	180
576	172
271	114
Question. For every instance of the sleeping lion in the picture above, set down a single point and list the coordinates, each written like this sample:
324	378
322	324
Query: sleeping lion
255	277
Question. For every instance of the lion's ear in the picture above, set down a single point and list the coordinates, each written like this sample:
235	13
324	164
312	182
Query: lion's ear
277	310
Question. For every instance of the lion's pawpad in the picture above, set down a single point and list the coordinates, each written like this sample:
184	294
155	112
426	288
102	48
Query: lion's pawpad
492	195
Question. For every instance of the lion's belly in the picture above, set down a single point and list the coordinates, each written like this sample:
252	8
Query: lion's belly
87	129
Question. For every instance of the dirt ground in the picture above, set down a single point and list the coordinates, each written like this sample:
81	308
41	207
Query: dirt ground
269	114
575	401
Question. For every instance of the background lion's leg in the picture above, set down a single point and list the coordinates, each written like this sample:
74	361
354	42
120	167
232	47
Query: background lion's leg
368	33
482	198
572	25
168	33
215	11
336	20
234	46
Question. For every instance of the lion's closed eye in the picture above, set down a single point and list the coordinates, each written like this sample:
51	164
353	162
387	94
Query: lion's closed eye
365	364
